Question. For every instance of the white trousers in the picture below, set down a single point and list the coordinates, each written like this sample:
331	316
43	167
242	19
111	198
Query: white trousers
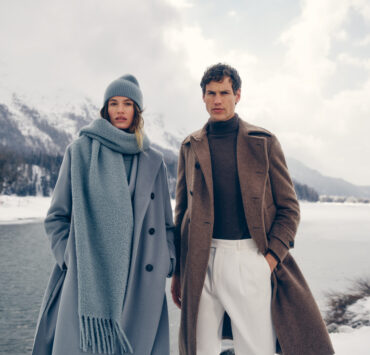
238	280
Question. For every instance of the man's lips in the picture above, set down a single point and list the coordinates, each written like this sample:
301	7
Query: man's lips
217	110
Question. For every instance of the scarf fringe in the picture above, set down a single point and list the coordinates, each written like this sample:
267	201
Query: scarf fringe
100	336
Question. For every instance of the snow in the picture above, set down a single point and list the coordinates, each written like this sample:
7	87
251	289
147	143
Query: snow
352	341
15	209
360	311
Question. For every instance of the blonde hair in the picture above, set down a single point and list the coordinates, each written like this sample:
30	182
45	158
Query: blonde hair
137	125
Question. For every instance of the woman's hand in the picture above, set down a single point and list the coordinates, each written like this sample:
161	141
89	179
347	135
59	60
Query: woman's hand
176	290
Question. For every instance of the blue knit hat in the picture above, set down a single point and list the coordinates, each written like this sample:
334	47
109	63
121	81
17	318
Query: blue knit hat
126	86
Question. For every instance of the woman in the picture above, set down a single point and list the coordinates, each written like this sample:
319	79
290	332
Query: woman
111	232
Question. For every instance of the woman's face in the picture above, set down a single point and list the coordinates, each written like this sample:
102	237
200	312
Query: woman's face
121	112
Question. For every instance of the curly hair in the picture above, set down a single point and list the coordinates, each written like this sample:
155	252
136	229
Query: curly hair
217	72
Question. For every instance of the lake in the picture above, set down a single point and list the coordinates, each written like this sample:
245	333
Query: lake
332	248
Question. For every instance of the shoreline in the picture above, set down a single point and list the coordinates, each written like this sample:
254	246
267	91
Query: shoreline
23	209
27	209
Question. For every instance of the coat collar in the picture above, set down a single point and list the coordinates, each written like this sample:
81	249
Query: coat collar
245	129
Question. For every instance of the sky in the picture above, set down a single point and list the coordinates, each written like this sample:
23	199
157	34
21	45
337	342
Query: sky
305	65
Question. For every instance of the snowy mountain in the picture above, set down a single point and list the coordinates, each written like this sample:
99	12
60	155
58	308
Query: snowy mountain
35	130
26	125
325	185
34	135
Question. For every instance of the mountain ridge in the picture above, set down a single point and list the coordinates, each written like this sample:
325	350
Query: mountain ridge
30	128
325	185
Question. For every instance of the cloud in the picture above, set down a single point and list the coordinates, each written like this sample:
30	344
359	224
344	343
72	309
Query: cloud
180	4
298	90
199	52
346	58
80	47
232	14
323	129
363	42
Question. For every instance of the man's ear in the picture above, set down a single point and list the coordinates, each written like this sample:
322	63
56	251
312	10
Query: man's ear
237	94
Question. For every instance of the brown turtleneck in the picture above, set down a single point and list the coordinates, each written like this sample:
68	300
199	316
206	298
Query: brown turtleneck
229	222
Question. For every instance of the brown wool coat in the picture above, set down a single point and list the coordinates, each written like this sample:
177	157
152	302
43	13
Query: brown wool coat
272	213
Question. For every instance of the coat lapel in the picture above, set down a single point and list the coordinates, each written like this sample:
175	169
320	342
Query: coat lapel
147	170
199	143
252	163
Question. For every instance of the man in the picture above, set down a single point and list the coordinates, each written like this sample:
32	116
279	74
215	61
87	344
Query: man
236	217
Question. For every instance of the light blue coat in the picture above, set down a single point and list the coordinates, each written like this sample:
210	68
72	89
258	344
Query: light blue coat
145	316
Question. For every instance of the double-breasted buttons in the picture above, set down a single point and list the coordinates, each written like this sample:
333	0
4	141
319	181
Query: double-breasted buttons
152	195
191	193
197	165
291	244
149	267
151	231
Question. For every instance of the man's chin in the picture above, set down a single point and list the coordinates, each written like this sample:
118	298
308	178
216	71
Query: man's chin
219	117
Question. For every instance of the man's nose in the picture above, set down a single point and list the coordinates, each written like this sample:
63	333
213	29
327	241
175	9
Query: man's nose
217	99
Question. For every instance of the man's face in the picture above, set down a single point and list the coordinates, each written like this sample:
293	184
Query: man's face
220	99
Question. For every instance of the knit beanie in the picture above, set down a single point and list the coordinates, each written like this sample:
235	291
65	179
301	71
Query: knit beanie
126	86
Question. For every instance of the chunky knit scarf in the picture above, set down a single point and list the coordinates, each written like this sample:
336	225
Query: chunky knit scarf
103	226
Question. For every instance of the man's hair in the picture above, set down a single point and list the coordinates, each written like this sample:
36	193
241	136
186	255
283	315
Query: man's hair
217	73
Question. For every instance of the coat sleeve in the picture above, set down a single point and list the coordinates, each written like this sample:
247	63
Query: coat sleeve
285	224
169	222
181	203
58	220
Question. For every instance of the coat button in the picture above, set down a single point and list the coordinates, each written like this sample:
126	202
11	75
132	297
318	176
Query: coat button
291	244
149	268
197	165
152	195
191	193
151	231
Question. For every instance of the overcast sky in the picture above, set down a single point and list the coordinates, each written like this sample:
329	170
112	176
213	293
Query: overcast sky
305	65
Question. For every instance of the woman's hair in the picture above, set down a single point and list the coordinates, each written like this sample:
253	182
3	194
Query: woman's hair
137	125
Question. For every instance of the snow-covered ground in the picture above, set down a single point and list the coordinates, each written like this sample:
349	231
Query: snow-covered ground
352	341
347	341
15	209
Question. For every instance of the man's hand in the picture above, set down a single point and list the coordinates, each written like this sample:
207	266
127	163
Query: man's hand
176	290
271	261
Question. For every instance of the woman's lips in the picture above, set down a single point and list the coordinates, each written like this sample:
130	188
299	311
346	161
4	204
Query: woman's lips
121	119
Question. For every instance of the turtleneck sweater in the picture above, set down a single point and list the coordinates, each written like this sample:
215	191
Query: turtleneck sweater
229	217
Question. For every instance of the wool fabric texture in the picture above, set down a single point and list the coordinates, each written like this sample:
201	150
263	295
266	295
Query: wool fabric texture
127	86
229	216
103	225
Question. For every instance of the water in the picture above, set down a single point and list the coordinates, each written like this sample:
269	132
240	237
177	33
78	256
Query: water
25	264
332	248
